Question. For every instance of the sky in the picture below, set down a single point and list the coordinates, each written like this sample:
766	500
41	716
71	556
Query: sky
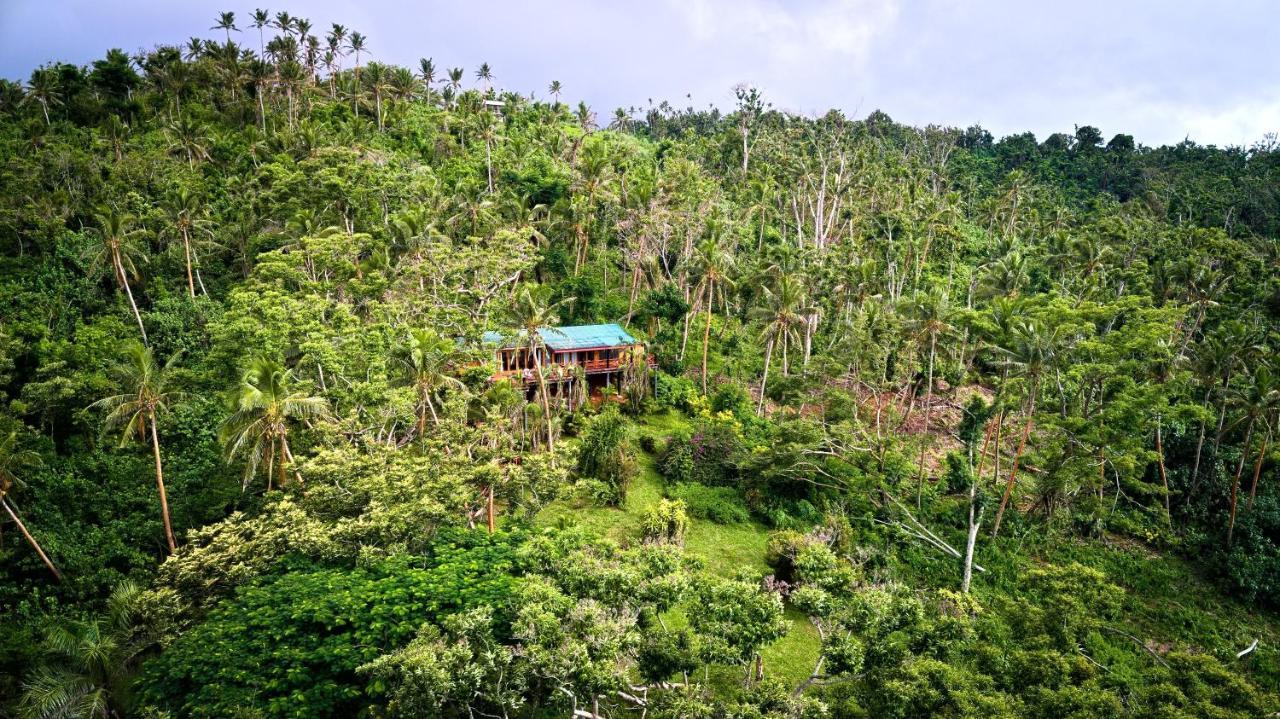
1160	71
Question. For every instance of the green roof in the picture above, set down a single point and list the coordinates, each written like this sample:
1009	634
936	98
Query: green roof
577	337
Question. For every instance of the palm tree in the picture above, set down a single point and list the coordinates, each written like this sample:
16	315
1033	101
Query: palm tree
426	360
136	411
930	319
261	18
43	89
714	265
1034	349
555	89
14	461
187	217
379	79
489	133
88	665
227	22
1258	400
782	314
266	401
119	247
485	75
533	316
356	45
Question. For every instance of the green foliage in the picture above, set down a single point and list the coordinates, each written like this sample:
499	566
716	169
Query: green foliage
722	505
605	456
291	645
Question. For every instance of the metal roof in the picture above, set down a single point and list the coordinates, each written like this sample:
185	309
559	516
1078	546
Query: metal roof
578	337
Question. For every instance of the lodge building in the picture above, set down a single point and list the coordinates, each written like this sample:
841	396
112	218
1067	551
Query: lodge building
598	353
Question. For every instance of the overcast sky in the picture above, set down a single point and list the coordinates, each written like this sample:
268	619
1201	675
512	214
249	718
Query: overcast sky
1161	71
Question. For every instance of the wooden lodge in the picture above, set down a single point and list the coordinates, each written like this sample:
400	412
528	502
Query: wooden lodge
598	353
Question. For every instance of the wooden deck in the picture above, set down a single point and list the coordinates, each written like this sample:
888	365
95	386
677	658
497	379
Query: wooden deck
558	371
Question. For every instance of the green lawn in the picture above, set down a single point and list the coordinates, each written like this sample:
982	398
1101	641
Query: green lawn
723	549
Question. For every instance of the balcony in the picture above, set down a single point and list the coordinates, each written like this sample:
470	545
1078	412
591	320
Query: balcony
556	371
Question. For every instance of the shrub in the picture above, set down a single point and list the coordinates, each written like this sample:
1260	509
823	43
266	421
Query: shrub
606	457
722	505
711	455
665	522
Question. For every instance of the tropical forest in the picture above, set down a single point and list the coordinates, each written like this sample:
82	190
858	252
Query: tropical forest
304	410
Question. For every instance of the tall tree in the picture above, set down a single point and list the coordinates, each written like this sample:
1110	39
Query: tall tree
135	411
426	359
267	400
119	247
14	462
532	317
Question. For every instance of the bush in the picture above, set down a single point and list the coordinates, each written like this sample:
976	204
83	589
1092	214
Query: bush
606	457
665	522
672	392
710	455
722	505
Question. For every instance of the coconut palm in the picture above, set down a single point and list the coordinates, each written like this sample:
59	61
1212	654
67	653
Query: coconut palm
356	45
121	249
930	318
426	360
261	18
88	665
136	410
714	264
1034	349
555	89
267	400
533	316
227	22
14	462
189	223
43	89
378	77
1257	400
485	75
782	314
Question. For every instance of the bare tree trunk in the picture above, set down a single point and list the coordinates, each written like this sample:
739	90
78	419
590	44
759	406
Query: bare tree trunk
1257	468
971	542
490	508
928	414
30	539
1013	472
124	282
768	354
546	400
186	251
706	334
164	497
1164	479
1235	482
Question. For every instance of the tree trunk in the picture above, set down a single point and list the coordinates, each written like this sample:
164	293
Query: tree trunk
1257	468
971	542
768	354
706	334
1235	482
1164	479
546	400
186	251
124	281
30	539
490	508
1013	472
288	456
164	497
928	414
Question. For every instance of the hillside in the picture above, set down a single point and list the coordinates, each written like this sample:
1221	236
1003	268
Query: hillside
899	421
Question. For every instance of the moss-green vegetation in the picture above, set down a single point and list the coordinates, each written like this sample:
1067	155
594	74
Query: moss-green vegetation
257	460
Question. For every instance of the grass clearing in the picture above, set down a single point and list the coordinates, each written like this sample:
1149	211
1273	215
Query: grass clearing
723	549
